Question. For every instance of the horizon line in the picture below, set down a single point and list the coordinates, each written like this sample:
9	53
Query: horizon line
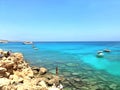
60	40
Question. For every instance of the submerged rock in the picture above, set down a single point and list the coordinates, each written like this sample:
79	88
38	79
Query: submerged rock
94	87
75	74
84	88
113	86
66	74
71	64
77	79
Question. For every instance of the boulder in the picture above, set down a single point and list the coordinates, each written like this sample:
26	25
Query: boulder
35	68
4	58
20	66
2	70
16	74
18	56
9	64
54	80
4	81
42	71
43	84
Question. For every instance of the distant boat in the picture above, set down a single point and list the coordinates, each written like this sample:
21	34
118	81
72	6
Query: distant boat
107	50
100	54
3	41
27	42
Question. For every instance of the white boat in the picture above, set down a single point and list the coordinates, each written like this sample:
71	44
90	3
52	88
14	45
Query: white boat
27	42
3	41
100	54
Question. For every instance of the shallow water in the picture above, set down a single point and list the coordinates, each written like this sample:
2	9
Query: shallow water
75	60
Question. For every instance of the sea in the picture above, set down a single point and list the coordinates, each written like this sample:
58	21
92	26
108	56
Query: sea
76	61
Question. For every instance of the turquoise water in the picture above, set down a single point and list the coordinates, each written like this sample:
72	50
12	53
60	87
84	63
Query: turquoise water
73	58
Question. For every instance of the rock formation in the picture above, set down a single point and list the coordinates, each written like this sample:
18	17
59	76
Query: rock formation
16	74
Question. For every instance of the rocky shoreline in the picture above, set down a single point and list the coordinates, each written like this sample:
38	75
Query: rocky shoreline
16	74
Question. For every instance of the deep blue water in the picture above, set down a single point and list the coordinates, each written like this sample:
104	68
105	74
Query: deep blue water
71	56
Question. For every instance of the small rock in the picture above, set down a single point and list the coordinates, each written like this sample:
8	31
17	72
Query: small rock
54	80
3	70
20	66
50	82
4	81
42	70
43	84
35	68
77	79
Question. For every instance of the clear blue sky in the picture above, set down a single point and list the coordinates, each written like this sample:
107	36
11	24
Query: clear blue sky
60	20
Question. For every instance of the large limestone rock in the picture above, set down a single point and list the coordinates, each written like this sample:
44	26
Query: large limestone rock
4	82
16	74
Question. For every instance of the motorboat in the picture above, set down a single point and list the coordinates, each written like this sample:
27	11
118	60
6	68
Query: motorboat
3	41
107	50
27	42
100	54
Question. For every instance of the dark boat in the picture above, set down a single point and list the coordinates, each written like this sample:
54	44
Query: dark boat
107	50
